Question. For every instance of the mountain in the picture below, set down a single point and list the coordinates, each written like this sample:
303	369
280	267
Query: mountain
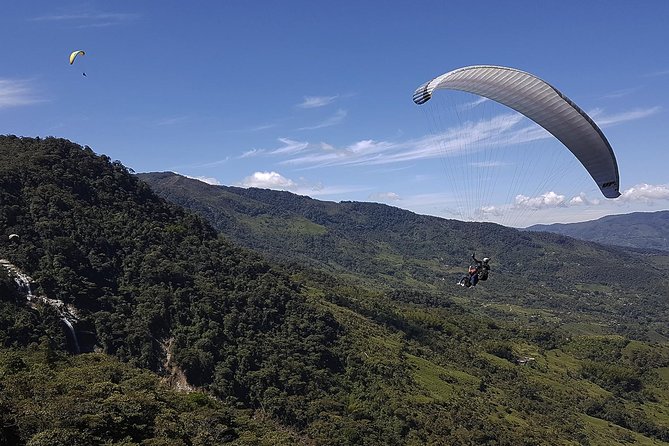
154	284
393	248
194	339
647	230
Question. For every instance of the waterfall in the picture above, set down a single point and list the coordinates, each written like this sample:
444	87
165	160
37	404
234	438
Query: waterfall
67	312
75	341
23	282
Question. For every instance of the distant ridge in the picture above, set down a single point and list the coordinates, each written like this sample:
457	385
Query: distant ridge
352	332
392	247
646	230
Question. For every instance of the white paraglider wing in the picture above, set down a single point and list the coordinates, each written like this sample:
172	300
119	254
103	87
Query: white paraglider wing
545	105
74	55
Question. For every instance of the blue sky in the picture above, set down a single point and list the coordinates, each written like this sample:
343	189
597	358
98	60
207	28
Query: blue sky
315	97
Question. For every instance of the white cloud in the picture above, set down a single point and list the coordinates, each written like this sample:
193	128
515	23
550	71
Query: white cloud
550	207
268	180
209	180
497	132
543	202
358	153
261	127
289	147
542	207
577	200
472	104
86	16
645	193
604	120
15	93
276	181
253	129
454	141
552	199
582	200
316	101
549	199
251	153
488	211
89	20
657	73
335	119
385	196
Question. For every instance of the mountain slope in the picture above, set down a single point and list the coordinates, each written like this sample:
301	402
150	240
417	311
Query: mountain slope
395	248
95	399
144	274
352	355
648	230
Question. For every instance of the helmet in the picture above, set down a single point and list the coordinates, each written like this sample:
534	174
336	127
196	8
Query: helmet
486	260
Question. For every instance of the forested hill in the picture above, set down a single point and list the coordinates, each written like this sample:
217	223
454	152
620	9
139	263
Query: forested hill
394	247
648	230
151	281
371	349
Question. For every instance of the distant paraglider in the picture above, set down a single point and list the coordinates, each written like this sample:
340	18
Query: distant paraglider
76	54
14	237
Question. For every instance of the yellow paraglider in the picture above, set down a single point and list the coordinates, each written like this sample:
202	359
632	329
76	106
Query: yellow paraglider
75	54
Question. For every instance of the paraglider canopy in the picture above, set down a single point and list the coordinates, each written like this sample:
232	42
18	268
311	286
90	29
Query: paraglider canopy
75	54
543	104
14	237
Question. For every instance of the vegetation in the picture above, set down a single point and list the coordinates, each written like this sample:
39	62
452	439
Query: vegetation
142	273
50	399
644	230
339	349
574	282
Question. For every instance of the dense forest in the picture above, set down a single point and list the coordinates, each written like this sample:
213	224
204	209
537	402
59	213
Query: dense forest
191	337
387	247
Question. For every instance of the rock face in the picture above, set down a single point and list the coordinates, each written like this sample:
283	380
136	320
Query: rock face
175	377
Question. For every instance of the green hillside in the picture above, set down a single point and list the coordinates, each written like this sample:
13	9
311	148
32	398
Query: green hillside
341	348
392	248
57	400
647	230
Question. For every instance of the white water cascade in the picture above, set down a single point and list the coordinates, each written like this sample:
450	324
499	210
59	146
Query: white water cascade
75	341
23	282
67	313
